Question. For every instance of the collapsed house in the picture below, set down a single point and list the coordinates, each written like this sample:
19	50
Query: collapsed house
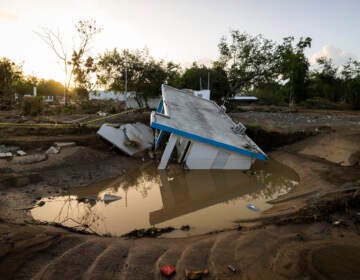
204	136
129	138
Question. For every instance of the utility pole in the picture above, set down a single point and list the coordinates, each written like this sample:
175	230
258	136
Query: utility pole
208	80
125	77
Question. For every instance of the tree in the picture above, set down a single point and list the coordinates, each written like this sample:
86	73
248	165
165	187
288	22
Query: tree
249	60
25	85
324	82
351	77
134	71
50	87
292	65
86	30
173	72
197	77
10	74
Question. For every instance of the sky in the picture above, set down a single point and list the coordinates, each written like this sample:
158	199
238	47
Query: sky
182	31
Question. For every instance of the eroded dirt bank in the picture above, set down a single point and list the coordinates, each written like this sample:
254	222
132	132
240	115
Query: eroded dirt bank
302	235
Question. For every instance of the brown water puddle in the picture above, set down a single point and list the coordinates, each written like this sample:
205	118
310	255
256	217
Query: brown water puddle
206	200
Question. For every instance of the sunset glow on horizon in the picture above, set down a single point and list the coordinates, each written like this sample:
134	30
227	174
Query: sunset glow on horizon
181	31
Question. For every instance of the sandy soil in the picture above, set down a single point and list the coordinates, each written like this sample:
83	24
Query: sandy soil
301	236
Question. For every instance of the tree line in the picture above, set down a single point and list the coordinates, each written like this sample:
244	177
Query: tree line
277	73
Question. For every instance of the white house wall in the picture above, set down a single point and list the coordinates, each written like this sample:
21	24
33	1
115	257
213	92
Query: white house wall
204	156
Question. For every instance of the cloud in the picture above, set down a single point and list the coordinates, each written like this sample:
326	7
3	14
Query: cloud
8	16
338	56
201	61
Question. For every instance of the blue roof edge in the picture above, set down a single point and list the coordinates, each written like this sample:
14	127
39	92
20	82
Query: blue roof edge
195	137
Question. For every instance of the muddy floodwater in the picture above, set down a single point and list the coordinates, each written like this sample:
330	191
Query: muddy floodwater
206	200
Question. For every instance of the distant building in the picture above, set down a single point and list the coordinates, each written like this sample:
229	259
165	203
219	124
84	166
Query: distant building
107	95
128	98
244	99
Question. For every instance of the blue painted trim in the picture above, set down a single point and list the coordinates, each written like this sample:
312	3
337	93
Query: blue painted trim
208	141
160	107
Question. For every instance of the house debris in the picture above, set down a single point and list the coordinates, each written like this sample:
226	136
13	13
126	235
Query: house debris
205	137
5	152
130	138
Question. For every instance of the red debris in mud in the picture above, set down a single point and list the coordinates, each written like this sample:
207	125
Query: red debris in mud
168	270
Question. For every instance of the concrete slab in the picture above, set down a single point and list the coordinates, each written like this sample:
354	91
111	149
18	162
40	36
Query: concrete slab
130	138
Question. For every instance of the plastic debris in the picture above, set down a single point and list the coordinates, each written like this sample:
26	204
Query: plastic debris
20	153
102	114
252	207
64	144
198	274
6	155
110	197
53	150
231	268
168	270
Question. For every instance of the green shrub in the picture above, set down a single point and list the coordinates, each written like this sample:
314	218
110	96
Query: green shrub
32	106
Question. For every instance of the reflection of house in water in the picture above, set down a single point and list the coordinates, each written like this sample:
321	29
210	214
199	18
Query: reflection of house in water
194	190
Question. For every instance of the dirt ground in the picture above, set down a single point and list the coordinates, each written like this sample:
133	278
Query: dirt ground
310	232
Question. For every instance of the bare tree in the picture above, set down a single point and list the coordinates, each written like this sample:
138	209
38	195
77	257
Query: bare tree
86	29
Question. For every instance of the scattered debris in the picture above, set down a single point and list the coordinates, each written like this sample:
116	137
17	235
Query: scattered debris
5	152
168	270
6	155
52	150
64	144
29	159
339	223
102	114
110	198
185	228
20	153
232	268
41	203
130	138
252	207
151	154
151	232
196	274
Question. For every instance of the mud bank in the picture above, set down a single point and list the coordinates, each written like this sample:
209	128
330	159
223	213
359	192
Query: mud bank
297	237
